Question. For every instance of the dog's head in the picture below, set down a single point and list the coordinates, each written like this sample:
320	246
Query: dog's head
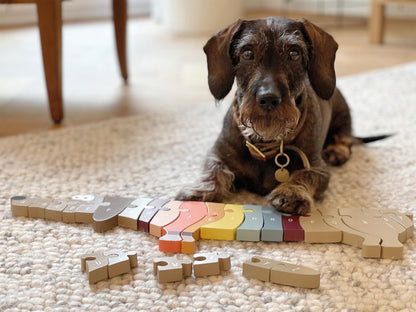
273	60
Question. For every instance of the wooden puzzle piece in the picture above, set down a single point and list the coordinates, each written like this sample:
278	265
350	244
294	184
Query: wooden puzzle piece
170	269
283	273
317	231
37	207
369	243
54	210
101	266
120	262
404	220
272	230
106	215
129	217
225	228
250	229
206	264
82	205
190	213
292	230
149	212
168	214
96	266
192	233
20	205
391	247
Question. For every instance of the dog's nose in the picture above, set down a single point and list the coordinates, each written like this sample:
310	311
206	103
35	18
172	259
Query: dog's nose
268	100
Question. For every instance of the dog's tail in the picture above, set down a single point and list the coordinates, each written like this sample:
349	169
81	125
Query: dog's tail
364	140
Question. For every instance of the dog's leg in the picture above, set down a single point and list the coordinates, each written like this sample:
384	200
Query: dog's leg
216	182
298	193
337	149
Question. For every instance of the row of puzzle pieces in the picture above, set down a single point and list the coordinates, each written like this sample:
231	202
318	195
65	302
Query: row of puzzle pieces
380	233
102	266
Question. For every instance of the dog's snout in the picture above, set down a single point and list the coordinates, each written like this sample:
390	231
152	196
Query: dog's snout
268	99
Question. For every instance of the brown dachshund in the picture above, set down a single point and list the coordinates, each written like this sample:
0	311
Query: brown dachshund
287	120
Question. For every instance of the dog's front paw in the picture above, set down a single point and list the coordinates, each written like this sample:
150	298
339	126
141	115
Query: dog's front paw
291	198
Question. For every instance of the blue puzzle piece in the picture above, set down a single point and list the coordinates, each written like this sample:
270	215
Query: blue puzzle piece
273	229
253	222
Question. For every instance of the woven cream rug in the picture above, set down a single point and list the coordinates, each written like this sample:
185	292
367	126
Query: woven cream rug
154	156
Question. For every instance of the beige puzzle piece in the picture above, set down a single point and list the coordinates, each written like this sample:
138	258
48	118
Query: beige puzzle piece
37	207
206	264
317	231
368	222
170	269
129	217
283	273
54	210
20	205
369	243
80	208
101	266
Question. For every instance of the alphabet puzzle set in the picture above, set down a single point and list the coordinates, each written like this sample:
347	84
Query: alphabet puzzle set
380	233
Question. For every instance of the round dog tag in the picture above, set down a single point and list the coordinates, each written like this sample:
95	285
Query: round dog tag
281	175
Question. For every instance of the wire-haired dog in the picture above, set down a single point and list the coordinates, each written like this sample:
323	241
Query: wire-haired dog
287	119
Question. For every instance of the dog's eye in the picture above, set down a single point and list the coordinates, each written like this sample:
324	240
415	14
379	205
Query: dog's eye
294	54
248	55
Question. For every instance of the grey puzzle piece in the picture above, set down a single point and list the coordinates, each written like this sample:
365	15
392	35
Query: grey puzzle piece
272	229
253	222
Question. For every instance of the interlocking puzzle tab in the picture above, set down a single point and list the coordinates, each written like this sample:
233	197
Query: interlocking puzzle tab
171	269
102	266
283	273
380	233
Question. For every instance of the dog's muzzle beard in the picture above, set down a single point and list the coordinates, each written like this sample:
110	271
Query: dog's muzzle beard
267	125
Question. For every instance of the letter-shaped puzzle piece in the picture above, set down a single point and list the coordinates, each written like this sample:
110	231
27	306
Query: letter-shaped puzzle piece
272	230
190	213
170	269
369	243
54	210
292	230
37	207
192	233
120	262
129	217
106	216
20	205
391	247
149	212
253	223
317	231
225	228
206	264
403	220
165	216
283	273
107	265
80	208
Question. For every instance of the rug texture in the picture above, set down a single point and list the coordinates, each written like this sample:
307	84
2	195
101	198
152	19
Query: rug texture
154	156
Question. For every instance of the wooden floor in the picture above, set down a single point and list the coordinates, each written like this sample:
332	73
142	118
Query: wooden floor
164	70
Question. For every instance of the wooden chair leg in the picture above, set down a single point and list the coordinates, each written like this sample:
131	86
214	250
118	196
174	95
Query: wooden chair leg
377	21
50	28
120	27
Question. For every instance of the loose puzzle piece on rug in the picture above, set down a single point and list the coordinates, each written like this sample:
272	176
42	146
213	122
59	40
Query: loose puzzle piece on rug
380	233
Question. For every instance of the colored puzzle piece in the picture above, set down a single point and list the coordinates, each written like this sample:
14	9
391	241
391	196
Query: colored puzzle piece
292	230
106	215
225	228
190	213
192	233
272	230
283	273
170	269
168	214
149	212
129	217
206	264
250	230
317	231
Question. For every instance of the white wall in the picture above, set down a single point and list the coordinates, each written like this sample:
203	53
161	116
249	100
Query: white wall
12	14
348	7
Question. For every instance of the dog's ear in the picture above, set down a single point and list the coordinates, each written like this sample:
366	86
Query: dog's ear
220	67
322	51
